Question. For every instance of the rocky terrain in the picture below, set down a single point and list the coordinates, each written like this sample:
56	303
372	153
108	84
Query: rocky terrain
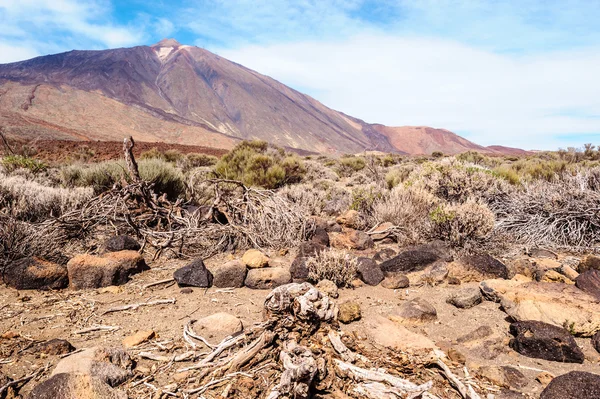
181	94
522	326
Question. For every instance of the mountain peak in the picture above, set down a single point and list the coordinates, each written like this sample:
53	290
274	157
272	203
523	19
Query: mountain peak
167	43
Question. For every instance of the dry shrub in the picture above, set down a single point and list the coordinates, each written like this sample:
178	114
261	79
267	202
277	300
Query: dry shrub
408	208
456	181
332	264
398	174
319	197
462	223
317	171
561	213
20	239
30	200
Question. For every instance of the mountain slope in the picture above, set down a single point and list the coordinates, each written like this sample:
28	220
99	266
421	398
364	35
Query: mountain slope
183	94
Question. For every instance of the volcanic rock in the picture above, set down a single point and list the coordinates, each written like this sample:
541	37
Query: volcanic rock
112	268
544	341
369	271
35	273
573	385
194	274
267	278
229	275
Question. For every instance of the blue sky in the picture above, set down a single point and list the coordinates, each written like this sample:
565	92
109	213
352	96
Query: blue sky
518	73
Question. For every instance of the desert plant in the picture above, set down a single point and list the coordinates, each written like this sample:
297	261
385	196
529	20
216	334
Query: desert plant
460	223
332	264
398	174
350	164
255	163
199	160
565	212
456	181
29	200
13	162
408	208
104	175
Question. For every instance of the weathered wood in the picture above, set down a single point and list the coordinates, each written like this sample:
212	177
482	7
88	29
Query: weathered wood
132	166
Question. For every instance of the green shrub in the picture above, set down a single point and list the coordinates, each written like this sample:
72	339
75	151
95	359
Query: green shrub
437	154
350	164
200	160
104	175
255	163
12	162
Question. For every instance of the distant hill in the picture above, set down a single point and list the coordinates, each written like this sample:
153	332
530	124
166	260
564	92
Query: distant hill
182	94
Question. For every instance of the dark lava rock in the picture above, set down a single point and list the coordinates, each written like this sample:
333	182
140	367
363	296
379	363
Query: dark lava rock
121	243
55	347
309	248
194	274
230	274
320	236
544	341
369	271
417	258
596	341
384	254
589	282
34	273
588	263
465	298
298	269
573	385
486	265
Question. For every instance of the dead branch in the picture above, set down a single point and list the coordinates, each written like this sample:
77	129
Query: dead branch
132	167
97	328
134	306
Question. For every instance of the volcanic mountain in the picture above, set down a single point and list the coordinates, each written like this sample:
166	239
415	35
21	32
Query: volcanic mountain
182	94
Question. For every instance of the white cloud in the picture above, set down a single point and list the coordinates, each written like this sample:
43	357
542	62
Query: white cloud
11	53
517	100
44	26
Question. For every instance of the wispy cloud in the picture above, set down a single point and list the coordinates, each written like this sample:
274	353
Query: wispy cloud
42	26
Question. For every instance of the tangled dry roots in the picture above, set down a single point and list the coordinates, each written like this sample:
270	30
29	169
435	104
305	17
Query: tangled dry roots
299	352
239	217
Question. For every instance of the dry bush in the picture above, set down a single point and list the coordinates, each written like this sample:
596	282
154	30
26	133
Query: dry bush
30	200
462	223
408	208
319	197
317	171
561	213
20	239
253	218
398	174
332	264
456	181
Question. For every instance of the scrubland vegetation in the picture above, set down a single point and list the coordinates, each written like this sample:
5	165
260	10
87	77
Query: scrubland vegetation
468	200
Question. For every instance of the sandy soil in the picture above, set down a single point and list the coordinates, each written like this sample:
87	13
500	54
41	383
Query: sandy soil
39	316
